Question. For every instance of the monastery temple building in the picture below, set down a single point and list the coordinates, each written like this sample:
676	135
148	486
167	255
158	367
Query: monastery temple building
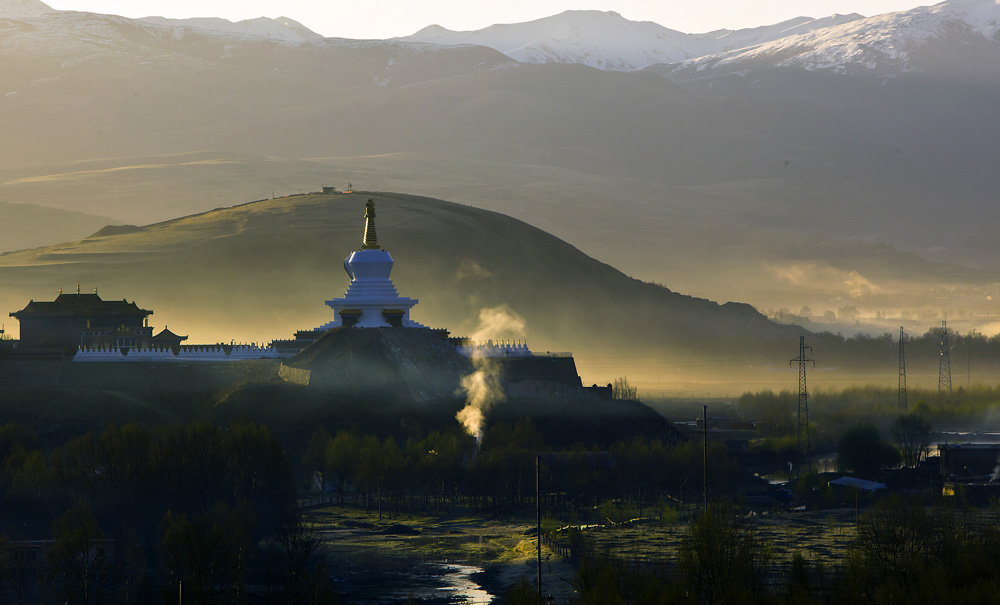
85	321
88	328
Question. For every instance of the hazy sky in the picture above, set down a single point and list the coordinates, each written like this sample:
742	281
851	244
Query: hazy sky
388	18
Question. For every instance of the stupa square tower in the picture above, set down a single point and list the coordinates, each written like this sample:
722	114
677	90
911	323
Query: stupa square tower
371	300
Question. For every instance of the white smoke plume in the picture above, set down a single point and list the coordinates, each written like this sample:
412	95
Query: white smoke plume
482	388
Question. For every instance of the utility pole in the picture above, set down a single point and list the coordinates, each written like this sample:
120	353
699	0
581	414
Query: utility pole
803	407
944	362
538	518
902	370
704	460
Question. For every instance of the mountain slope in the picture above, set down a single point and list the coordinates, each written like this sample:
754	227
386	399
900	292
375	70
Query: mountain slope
19	9
28	226
281	28
884	45
262	270
604	40
741	184
742	38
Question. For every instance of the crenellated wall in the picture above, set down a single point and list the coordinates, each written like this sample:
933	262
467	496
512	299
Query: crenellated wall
492	350
192	353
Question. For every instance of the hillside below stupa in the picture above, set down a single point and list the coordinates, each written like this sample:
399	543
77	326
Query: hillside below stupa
394	364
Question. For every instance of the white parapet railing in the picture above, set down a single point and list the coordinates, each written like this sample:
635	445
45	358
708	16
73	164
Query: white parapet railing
253	352
99	355
495	349
187	353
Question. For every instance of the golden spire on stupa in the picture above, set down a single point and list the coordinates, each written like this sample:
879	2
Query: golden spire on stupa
371	241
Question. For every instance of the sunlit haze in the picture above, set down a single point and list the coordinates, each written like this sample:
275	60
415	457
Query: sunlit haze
398	18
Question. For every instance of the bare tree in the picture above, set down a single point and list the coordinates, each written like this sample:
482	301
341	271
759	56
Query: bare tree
895	538
622	390
15	569
314	460
78	566
208	552
722	557
296	563
912	434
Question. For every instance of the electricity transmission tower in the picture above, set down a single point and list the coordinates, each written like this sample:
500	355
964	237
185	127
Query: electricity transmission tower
803	407
902	370
944	362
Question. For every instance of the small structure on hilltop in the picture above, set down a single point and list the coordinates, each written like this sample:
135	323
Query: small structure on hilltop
83	321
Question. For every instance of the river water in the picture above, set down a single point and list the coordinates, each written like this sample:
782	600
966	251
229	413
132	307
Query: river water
435	583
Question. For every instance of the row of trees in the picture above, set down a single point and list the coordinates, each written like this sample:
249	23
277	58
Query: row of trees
498	474
134	474
848	421
862	449
209	557
136	513
865	352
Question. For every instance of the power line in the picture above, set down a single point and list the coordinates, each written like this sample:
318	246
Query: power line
902	370
803	407
944	362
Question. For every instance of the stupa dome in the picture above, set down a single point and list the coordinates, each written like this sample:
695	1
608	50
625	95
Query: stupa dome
368	264
371	300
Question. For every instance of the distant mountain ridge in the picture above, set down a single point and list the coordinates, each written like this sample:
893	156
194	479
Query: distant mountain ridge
752	180
882	45
606	40
281	28
16	9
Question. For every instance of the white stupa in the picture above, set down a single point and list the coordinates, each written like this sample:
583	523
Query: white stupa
371	300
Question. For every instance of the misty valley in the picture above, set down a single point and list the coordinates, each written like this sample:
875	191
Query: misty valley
630	315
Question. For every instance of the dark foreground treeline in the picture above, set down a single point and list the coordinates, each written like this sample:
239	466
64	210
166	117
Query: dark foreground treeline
150	515
141	515
447	469
903	552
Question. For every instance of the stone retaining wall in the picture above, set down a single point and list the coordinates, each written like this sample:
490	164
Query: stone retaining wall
164	376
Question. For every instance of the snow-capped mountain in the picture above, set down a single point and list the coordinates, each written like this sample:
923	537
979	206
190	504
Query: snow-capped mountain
281	28
882	45
17	9
606	40
742	38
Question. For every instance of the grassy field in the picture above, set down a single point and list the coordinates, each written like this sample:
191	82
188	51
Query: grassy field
416	555
450	558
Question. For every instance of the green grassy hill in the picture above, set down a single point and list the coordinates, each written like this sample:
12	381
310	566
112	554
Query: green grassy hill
262	270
